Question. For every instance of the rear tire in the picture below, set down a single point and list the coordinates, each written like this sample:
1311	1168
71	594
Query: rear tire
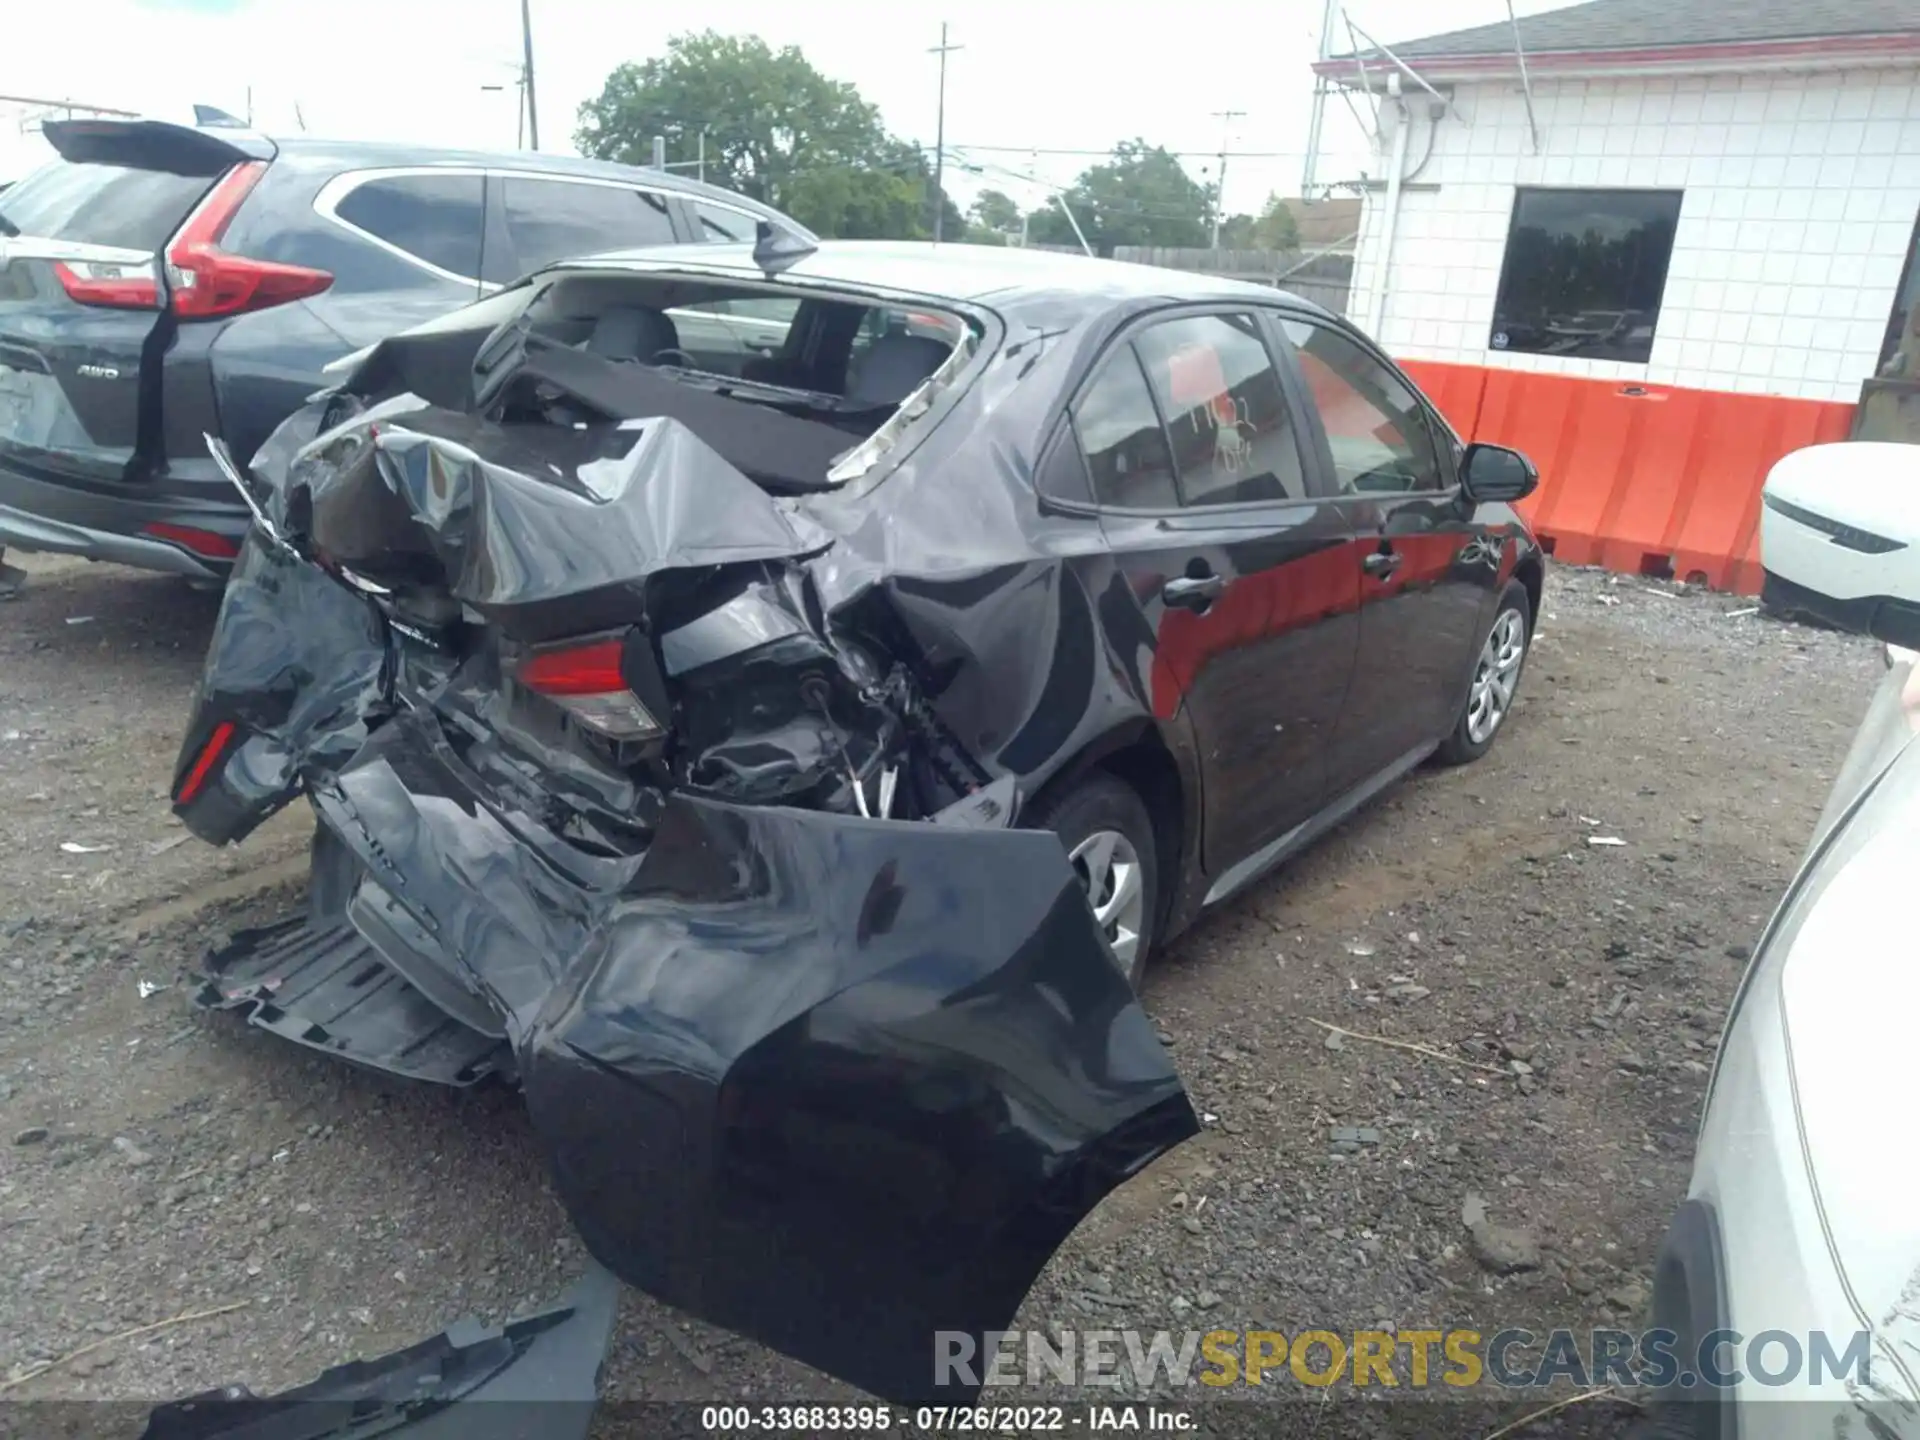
1108	836
1494	685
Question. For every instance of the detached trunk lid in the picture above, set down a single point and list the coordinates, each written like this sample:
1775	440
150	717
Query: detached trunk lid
83	328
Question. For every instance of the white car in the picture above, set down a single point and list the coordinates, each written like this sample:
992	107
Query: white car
1840	537
1789	1281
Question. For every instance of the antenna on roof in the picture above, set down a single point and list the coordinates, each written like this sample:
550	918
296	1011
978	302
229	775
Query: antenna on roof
775	249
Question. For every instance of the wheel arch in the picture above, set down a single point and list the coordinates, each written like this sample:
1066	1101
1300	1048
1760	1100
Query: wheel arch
1531	572
1139	757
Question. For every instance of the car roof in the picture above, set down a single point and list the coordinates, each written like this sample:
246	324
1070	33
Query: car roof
356	154
1003	275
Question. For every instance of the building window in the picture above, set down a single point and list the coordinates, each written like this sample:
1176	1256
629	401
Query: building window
1584	272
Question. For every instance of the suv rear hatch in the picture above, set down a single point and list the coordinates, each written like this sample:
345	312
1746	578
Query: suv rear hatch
104	255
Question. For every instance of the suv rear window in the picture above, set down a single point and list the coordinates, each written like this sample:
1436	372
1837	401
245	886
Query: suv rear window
100	204
435	217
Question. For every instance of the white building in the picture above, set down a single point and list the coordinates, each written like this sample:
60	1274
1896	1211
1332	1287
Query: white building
1621	215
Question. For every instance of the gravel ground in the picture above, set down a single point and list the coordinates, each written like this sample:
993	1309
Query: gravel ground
155	1161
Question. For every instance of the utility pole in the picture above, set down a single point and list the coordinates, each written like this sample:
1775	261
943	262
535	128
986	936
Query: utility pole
1226	119
940	136
526	45
1321	85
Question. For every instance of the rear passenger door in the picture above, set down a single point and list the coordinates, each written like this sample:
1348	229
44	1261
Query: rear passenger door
1213	512
538	219
1419	558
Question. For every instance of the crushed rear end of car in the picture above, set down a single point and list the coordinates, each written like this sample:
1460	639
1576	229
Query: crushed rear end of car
628	786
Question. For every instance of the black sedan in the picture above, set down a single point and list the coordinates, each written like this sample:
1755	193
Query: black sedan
689	730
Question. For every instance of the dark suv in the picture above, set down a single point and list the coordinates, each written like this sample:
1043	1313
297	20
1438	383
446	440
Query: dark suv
160	283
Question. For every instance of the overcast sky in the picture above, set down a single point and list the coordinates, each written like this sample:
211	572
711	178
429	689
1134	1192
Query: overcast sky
1058	75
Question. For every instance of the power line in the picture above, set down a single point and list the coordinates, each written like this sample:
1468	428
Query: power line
1107	154
1105	207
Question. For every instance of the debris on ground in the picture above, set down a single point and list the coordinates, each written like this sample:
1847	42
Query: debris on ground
1503	1249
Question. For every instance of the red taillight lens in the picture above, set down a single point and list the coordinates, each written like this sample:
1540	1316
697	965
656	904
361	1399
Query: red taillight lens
207	282
590	669
210	755
585	680
118	287
201	542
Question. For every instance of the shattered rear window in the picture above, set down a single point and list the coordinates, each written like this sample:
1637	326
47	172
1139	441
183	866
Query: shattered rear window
801	390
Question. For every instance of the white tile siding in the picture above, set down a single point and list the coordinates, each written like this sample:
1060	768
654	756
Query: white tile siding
1801	191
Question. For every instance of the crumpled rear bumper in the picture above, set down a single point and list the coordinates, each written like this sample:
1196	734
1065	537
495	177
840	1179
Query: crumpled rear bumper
838	1084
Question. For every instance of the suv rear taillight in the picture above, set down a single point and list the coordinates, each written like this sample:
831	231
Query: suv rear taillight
205	281
208	282
584	679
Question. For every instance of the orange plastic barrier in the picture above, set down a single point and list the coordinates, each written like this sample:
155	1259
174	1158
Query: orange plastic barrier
1644	479
1456	389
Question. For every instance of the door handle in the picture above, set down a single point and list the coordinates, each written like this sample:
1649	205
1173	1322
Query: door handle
1193	592
1381	563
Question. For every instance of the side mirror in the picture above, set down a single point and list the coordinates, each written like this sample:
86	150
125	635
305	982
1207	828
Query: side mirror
1840	538
1493	472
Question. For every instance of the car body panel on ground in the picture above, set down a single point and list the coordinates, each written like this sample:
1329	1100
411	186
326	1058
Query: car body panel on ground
537	1375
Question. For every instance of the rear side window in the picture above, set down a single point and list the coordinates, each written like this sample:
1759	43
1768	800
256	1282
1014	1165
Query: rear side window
550	220
1233	438
1120	434
100	204
437	218
720	226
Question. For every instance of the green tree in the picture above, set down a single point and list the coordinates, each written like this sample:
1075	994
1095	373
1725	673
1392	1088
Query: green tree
1240	232
776	129
1276	229
995	210
1139	196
